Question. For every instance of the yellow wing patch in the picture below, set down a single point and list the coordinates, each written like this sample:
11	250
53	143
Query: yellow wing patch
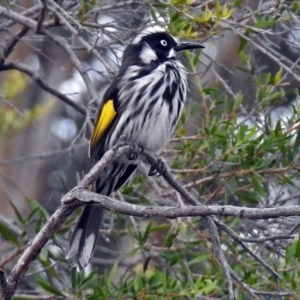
105	118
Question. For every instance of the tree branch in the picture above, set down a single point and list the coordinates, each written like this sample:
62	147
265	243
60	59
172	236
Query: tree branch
43	84
59	41
79	196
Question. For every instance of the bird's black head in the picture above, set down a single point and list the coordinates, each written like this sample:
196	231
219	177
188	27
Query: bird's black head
157	45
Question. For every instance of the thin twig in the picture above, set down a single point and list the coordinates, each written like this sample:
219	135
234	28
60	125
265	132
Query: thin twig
43	84
41	16
220	254
233	235
47	155
11	45
62	42
11	257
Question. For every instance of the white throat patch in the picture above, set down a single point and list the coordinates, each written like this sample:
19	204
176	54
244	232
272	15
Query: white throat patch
172	53
147	54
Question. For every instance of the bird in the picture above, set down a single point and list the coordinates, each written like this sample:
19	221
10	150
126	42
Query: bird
143	103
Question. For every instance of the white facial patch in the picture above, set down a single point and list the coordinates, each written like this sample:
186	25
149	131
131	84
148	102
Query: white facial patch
147	54
172	53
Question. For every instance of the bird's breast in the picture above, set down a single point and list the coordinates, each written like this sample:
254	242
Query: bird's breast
151	101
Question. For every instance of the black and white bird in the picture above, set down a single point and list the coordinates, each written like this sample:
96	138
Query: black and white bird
144	102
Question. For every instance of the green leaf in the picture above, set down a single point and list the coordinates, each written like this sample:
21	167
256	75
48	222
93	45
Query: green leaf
74	277
200	258
44	255
48	288
37	206
170	239
296	145
147	231
112	273
89	281
263	23
47	264
277	77
243	43
18	214
196	58
153	15
146	263
9	235
297	252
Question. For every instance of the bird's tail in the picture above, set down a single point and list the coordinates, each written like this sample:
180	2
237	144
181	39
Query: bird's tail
83	240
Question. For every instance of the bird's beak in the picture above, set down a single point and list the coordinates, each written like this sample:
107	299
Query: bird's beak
186	46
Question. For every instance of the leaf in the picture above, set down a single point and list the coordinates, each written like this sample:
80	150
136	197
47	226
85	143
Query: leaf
74	277
277	77
8	234
199	259
218	8
263	24
111	274
196	58
90	280
35	205
156	280
297	252
290	252
171	238
49	288
14	84
16	211
44	255
153	15
47	263
296	145
146	263
147	231
160	227
33	213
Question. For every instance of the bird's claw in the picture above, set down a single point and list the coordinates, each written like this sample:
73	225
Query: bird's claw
159	169
133	155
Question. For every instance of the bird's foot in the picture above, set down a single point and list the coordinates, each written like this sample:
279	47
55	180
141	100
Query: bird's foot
159	169
135	149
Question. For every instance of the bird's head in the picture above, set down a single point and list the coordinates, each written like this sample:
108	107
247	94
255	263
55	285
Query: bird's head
158	45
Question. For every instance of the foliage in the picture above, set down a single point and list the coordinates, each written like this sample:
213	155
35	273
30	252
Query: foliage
12	119
237	155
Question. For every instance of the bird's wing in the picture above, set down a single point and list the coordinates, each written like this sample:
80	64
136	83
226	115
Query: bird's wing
103	121
107	114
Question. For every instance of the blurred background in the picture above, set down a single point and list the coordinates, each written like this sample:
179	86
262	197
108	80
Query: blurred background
57	58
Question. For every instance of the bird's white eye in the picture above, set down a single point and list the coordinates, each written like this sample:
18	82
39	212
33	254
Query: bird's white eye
164	42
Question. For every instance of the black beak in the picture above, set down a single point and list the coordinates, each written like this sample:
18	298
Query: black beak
186	46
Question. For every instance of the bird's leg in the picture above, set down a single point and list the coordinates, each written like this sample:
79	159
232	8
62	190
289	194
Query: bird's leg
135	149
159	169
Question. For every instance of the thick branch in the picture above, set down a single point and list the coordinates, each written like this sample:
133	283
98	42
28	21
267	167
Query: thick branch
80	196
34	248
